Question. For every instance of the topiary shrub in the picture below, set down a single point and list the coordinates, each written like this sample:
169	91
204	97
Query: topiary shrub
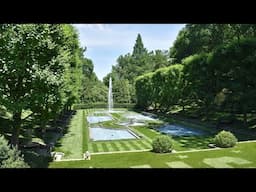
225	139
162	144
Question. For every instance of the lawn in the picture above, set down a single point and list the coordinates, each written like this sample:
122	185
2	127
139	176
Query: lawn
76	141
241	156
105	153
72	142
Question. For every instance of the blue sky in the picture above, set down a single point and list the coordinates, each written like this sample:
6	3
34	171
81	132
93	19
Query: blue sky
106	42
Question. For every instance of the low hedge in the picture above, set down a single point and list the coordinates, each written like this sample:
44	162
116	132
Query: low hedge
102	105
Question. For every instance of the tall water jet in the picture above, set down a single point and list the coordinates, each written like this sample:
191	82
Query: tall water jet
110	95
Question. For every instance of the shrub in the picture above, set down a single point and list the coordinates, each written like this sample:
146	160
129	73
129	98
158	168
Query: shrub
10	157
225	139
162	144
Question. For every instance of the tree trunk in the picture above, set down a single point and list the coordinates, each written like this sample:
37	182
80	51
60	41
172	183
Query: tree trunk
245	119
16	128
183	107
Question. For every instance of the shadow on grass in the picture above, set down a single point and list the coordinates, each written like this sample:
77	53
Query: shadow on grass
35	160
39	157
194	142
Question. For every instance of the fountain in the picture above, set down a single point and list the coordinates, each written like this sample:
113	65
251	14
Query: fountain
110	96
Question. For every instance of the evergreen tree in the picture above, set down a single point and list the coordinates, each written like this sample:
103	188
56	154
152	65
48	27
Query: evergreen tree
138	49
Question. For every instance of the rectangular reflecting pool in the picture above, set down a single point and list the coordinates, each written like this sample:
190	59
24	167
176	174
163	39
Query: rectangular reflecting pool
102	134
178	130
98	119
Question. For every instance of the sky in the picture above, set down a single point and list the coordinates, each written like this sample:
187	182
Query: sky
106	42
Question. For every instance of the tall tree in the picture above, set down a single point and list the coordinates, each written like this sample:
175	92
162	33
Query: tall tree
29	54
138	49
235	62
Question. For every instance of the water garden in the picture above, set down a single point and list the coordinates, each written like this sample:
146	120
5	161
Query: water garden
128	136
191	106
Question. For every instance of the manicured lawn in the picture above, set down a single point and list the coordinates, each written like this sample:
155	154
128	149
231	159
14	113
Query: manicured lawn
150	133
85	133
241	156
72	142
77	140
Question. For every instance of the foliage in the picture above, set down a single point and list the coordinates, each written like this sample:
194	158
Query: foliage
225	139
161	88
236	69
102	105
40	71
10	157
130	66
162	144
204	38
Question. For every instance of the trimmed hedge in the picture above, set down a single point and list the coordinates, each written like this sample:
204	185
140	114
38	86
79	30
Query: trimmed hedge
225	139
102	105
162	144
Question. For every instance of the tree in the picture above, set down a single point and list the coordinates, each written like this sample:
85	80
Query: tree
131	65
138	49
160	89
235	64
92	89
30	57
201	79
204	38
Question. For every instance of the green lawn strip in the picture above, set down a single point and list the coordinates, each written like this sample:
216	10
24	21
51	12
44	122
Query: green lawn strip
145	144
199	159
191	142
130	145
110	124
100	147
85	132
135	145
90	148
149	142
146	132
116	115
95	147
125	147
114	146
109	146
105	147
71	143
120	147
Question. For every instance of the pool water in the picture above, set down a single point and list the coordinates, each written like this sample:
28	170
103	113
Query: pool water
102	134
178	130
98	119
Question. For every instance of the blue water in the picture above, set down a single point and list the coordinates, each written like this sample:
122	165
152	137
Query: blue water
100	134
97	119
178	130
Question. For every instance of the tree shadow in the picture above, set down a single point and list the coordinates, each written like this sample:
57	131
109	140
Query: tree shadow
39	155
195	142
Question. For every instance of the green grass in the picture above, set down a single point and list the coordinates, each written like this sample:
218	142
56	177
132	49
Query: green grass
116	115
150	133
72	142
241	156
110	124
85	132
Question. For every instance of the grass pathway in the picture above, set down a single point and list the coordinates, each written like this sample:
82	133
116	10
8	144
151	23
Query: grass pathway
71	144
